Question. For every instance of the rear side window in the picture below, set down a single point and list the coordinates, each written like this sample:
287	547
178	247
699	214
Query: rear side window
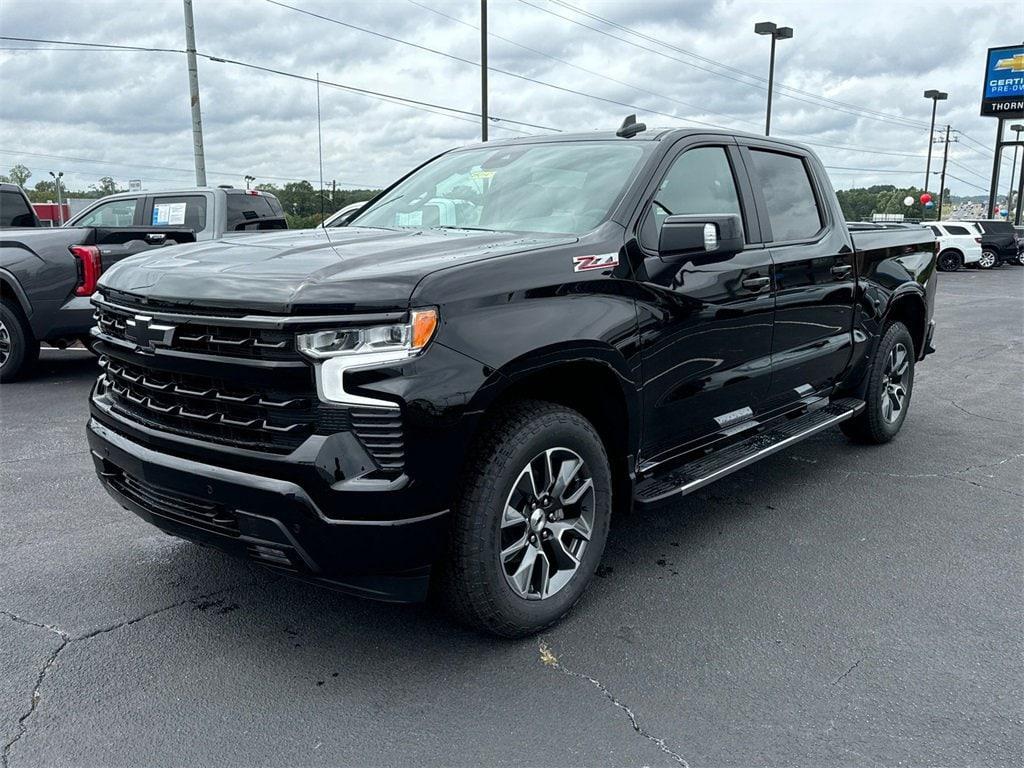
14	211
792	207
115	213
187	211
936	231
955	230
246	211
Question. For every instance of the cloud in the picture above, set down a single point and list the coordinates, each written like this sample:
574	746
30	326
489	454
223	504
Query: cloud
119	112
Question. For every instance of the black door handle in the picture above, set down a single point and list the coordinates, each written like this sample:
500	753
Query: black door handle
756	283
839	271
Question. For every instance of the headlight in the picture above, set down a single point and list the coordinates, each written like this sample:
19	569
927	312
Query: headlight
336	351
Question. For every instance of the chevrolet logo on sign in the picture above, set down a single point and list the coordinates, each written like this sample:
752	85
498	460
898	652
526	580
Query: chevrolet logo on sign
146	334
1012	64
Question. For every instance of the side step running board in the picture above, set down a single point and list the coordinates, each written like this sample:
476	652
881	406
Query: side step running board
700	472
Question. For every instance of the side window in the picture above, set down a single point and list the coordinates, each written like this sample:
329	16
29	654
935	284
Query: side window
116	213
788	194
936	231
188	211
955	230
246	209
14	211
699	181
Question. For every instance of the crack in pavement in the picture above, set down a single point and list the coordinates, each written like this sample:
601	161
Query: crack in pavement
847	672
67	639
550	660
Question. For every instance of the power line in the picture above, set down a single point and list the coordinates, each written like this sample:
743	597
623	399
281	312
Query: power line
412	103
857	111
497	70
968	183
967	168
578	67
722	65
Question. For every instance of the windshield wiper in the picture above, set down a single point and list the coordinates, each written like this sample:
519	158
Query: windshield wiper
452	226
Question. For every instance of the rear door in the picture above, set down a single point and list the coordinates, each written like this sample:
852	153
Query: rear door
815	279
706	322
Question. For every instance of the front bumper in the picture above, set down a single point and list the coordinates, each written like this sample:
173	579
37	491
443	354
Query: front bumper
268	520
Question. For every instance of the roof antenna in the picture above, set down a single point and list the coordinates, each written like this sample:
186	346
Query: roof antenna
630	127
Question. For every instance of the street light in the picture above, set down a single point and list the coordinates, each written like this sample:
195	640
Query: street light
936	97
1013	168
248	179
60	205
777	33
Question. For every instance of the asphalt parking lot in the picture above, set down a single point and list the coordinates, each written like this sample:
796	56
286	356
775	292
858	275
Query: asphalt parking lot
832	606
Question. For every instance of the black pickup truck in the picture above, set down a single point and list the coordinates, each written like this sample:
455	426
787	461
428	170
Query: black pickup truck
47	276
451	395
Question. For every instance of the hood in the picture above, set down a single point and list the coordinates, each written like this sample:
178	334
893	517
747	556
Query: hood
309	270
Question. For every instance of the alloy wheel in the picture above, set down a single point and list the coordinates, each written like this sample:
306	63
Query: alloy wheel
546	524
988	260
895	383
5	344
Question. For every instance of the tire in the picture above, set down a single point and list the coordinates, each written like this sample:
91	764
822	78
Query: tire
19	350
988	259
890	383
1019	261
502	547
950	261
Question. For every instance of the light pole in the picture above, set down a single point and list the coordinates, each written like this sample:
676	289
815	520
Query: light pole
1017	128
936	97
60	205
777	33
248	179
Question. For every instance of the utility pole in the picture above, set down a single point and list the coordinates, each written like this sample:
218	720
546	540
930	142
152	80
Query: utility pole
60	204
942	177
483	70
193	87
1017	128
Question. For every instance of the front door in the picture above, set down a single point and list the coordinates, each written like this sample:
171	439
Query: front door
706	320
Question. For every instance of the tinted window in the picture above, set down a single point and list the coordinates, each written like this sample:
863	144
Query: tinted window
115	213
188	211
14	211
936	231
789	196
955	230
245	209
556	187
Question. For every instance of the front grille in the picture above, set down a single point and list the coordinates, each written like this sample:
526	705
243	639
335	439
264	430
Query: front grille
209	338
175	506
206	408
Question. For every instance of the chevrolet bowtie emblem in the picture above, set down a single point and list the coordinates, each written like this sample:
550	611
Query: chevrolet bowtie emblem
146	334
1012	63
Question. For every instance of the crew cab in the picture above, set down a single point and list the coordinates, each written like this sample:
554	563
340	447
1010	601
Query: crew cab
410	404
46	278
15	208
210	212
958	245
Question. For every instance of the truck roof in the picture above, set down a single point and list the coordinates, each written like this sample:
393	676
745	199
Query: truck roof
650	134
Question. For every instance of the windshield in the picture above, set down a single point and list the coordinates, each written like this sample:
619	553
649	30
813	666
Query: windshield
558	188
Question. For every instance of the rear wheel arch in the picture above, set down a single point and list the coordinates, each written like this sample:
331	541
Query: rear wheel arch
908	309
11	290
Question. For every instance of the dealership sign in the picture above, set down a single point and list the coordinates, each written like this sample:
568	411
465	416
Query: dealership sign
1003	94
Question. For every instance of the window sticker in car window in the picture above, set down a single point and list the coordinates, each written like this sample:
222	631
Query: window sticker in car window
168	214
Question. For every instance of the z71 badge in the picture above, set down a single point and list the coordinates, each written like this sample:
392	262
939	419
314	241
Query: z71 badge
601	261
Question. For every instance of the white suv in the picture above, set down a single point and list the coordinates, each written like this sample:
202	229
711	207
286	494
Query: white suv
958	244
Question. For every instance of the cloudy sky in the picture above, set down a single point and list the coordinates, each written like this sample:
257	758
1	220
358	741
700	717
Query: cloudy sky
851	82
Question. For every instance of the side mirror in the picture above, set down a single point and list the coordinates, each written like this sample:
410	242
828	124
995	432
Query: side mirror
701	234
